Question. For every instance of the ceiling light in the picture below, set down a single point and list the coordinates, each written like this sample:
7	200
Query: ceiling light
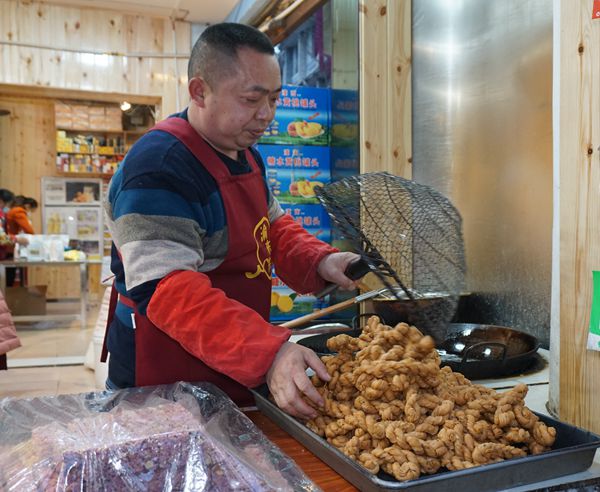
125	106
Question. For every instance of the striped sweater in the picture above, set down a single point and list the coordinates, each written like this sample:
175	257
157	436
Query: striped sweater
166	215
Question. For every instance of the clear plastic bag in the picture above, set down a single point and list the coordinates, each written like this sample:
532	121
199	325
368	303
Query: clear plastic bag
184	437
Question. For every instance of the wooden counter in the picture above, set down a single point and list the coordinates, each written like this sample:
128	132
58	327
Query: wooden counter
321	474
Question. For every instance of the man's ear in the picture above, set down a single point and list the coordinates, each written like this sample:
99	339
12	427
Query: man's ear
198	89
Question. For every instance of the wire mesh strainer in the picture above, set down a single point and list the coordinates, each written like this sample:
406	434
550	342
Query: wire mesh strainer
411	237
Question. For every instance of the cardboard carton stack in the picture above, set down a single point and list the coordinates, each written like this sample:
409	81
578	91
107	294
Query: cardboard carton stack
297	159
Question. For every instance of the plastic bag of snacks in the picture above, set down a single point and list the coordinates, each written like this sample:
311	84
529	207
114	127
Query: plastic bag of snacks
183	436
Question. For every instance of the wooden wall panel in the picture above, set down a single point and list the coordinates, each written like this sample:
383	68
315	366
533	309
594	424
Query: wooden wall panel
385	95
27	153
399	113
110	32
578	161
27	147
372	21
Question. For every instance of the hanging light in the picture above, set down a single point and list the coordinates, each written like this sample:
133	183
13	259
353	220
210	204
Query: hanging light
125	106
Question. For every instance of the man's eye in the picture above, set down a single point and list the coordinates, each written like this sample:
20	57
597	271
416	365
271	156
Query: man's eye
251	100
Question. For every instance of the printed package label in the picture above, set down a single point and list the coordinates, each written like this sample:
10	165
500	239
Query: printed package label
285	303
294	172
302	117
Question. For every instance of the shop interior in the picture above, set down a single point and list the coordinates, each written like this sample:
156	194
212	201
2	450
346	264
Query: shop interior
64	145
478	100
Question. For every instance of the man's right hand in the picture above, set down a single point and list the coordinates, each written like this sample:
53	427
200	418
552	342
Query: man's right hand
288	382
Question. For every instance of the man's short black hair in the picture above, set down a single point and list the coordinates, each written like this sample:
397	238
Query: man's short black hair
215	52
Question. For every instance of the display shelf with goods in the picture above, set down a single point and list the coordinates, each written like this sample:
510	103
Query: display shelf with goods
106	232
72	206
92	139
89	153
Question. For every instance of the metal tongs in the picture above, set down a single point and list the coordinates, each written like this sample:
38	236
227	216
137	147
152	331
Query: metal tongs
328	310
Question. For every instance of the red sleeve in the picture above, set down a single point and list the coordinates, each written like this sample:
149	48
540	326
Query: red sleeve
225	334
296	255
19	222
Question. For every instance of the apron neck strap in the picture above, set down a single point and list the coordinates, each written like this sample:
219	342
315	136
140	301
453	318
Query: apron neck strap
207	155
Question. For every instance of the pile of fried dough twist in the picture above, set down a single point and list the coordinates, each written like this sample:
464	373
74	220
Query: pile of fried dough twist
390	407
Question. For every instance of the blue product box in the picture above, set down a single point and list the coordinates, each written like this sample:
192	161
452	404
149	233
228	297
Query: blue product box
313	218
285	303
344	117
293	172
302	117
344	162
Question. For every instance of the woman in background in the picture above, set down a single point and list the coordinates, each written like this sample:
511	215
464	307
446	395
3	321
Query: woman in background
6	242
17	218
18	222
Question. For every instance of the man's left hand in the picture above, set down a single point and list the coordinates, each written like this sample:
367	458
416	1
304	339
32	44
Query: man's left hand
332	269
289	384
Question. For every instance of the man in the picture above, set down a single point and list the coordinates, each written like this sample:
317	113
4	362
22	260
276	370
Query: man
195	231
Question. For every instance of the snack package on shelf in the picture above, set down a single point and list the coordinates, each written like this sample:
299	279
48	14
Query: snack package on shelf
171	437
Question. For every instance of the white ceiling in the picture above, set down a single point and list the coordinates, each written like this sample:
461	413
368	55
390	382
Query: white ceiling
197	11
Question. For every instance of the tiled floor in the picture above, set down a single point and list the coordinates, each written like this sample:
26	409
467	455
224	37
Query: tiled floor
27	382
50	360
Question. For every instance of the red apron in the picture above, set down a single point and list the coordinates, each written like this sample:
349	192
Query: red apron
244	275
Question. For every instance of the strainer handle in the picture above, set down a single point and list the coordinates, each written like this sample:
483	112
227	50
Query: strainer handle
355	270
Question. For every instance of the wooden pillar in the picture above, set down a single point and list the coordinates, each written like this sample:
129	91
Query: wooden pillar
577	237
385	86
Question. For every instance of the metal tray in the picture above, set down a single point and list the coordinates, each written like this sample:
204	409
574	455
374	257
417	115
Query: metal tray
572	452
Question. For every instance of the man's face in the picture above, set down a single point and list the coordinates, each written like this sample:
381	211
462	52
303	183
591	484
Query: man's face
240	107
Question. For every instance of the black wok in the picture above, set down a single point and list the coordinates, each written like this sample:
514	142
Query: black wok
477	351
486	351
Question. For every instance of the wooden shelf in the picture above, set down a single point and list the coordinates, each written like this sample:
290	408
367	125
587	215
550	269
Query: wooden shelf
116	154
89	130
116	132
85	175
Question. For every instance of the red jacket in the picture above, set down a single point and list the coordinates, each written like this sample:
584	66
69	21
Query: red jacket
17	221
187	309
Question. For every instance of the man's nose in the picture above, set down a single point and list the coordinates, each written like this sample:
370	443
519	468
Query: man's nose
266	111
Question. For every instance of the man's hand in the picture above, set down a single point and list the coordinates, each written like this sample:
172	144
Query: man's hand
288	382
331	268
